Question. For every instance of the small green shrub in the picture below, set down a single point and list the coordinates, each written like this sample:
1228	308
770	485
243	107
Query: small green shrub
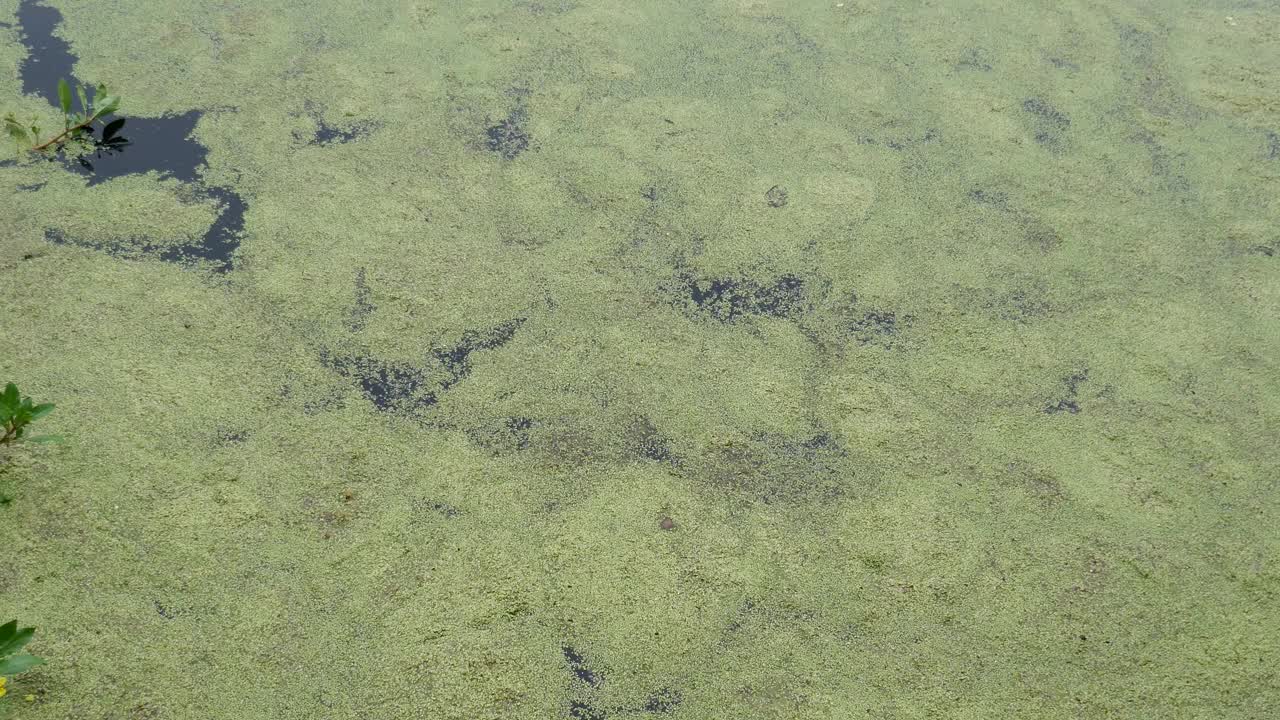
17	412
12	640
77	126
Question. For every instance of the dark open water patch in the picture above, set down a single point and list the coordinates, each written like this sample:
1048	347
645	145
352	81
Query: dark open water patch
437	507
162	144
645	442
578	665
167	611
400	386
776	470
863	323
1069	402
878	326
332	134
727	299
388	385
1046	113
226	436
504	435
216	247
588	681
802	468
1050	124
730	299
49	57
509	137
329	134
776	196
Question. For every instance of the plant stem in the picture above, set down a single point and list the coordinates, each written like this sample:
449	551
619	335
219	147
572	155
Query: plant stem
65	133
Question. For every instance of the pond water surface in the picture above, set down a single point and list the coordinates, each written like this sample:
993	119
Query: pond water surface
604	360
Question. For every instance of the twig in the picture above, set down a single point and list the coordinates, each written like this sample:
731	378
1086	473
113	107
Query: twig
65	133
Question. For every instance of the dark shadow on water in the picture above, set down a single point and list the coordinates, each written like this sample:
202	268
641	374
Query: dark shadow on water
164	145
161	144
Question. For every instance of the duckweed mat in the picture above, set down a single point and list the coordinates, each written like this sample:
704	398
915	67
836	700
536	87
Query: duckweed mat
618	360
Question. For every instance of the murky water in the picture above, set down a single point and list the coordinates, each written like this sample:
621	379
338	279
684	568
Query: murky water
625	360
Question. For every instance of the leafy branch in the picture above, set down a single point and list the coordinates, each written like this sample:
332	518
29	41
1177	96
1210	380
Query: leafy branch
76	125
16	412
11	641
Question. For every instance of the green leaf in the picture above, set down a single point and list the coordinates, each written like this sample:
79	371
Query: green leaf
7	631
18	664
84	101
16	641
108	105
10	396
64	96
41	410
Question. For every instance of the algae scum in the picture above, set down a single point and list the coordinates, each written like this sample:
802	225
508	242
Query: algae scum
731	359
